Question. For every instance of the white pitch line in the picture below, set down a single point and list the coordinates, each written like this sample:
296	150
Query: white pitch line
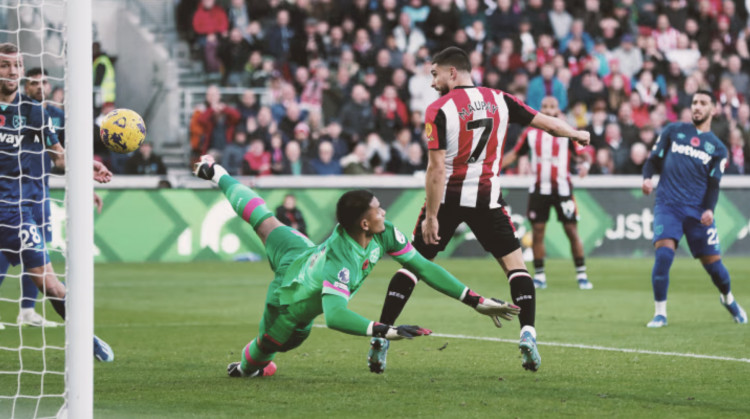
599	348
591	347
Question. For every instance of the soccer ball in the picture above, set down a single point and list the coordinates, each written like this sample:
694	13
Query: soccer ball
123	131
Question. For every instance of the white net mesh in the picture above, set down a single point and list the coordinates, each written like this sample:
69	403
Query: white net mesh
32	355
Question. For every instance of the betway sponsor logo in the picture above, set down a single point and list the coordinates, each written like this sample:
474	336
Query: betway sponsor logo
691	152
11	139
632	226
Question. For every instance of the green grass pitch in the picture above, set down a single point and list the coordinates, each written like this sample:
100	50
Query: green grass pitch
174	328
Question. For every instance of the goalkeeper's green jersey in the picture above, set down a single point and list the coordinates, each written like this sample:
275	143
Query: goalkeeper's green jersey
337	266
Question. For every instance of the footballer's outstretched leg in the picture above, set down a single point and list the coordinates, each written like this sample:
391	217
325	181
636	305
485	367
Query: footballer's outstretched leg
245	201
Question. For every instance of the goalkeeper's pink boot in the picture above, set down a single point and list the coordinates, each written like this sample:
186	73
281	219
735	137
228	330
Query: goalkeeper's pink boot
234	370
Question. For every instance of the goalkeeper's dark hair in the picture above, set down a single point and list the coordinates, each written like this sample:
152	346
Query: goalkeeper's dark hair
352	206
7	48
453	57
36	71
707	93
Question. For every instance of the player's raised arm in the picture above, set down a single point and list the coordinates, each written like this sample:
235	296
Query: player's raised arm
560	128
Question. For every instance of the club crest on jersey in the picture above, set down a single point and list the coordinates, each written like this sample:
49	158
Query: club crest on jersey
710	148
375	255
695	141
19	121
344	276
476	106
400	237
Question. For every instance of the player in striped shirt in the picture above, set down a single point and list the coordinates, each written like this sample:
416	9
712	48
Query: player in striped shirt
550	164
466	129
310	280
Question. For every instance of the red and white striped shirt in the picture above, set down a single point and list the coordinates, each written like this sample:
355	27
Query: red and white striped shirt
471	125
550	160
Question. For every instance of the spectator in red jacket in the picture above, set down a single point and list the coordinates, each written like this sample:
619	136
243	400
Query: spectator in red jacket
210	23
217	123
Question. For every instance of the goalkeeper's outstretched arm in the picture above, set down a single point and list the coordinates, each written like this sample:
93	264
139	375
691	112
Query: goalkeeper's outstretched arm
440	279
339	317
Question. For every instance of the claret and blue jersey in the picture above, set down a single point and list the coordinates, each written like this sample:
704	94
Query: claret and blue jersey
687	159
25	133
691	164
24	137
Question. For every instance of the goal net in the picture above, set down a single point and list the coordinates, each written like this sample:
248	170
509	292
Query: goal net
43	369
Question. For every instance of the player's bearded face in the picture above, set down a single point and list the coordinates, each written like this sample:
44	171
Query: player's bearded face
701	108
440	78
11	68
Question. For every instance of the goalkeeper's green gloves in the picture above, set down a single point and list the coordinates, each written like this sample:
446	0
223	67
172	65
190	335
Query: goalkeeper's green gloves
491	307
380	330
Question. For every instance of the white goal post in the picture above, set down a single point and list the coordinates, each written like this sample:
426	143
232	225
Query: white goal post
79	201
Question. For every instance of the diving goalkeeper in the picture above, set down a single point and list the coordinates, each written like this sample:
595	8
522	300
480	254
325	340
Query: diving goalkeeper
320	279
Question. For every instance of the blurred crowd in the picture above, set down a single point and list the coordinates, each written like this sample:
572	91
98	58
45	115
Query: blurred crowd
349	80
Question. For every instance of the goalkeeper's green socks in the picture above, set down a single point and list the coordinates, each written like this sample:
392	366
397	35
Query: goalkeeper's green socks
253	359
245	201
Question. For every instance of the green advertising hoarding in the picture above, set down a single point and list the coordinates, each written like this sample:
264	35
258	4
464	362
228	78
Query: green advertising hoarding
176	225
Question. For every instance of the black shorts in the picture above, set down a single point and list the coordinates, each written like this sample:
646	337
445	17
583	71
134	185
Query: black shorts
539	206
492	228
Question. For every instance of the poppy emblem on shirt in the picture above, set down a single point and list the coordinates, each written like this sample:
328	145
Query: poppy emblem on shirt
366	264
2	120
695	142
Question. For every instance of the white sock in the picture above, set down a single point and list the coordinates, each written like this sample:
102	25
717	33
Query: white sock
218	173
727	298
660	308
540	277
529	329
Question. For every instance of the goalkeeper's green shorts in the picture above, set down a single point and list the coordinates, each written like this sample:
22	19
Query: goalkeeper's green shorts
283	246
279	330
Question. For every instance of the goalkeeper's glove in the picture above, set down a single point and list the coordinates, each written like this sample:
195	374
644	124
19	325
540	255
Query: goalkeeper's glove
380	330
491	307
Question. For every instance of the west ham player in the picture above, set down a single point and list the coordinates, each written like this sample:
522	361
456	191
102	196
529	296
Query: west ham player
466	130
691	161
38	88
550	164
310	280
25	136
